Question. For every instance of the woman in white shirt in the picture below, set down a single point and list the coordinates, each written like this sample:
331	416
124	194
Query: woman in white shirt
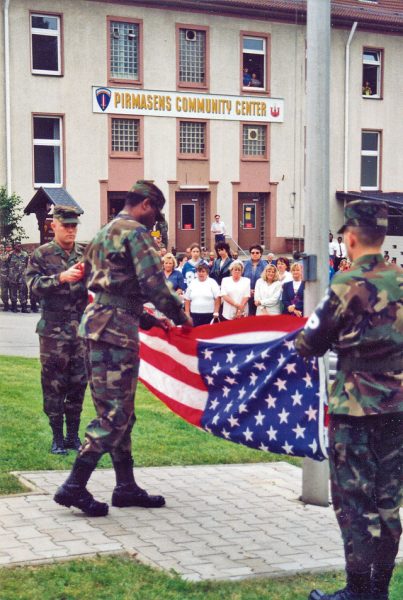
268	292
283	267
235	292
202	297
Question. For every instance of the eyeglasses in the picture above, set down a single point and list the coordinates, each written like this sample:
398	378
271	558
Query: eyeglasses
255	252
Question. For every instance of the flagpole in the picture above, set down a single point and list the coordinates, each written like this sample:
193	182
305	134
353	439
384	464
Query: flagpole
315	475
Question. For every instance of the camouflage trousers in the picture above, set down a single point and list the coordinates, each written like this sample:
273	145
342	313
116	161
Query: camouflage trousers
4	289
63	375
112	374
19	291
366	467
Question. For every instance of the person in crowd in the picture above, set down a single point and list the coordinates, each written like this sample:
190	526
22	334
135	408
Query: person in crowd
331	269
344	265
173	276
17	264
221	265
332	247
162	251
235	255
235	293
283	267
218	229
271	260
162	227
188	253
202	297
181	260
360	318
211	259
293	293
4	279
246	78
254	267
124	271
189	269
268	292
54	276
341	252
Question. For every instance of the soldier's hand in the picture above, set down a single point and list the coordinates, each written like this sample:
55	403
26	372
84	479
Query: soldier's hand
187	325
164	323
74	273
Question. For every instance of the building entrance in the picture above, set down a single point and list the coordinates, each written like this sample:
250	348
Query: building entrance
251	218
191	224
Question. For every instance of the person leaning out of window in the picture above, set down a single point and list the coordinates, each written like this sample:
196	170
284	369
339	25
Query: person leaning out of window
202	297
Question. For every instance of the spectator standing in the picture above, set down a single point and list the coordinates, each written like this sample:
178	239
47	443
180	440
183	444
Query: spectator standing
293	293
202	297
254	267
181	260
360	317
283	268
332	247
4	281
17	264
55	277
221	265
189	268
341	252
218	229
235	293
173	277
268	292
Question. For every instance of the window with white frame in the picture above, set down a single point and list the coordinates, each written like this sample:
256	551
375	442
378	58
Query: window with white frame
192	56
47	151
371	73
45	44
126	135
192	137
254	62
370	159
254	140
124	50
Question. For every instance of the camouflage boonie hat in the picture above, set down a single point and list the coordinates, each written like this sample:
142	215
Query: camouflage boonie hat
366	213
149	190
66	214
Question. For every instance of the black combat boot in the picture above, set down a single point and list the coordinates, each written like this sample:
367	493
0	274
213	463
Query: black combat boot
380	580
34	307
56	424
14	307
358	588
127	492
5	307
72	440
74	493
24	308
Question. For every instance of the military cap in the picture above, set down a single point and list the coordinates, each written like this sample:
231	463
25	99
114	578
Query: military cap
149	190
66	214
366	213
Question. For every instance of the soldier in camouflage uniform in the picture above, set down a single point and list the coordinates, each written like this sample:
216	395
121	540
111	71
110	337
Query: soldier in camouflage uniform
123	268
4	283
17	263
361	317
55	276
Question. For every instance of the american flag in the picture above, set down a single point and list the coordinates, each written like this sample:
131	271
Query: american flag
242	381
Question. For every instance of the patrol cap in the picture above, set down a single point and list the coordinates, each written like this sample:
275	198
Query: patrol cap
66	214
149	190
365	213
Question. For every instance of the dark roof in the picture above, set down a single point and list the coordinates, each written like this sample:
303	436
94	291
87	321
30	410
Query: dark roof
383	15
393	199
56	196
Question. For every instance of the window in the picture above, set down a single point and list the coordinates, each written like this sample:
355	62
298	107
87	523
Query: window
254	62
47	151
370	154
254	140
124	50
192	138
371	73
188	216
125	136
192	57
45	44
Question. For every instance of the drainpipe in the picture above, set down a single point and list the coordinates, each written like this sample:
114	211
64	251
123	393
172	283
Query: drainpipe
7	95
347	106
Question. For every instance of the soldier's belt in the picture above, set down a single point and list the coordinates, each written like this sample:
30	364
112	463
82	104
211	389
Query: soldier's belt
367	365
61	315
128	304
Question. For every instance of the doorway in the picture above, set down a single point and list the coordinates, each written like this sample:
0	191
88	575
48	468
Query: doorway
251	219
190	213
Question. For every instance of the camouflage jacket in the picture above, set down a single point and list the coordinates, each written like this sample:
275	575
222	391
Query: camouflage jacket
17	263
62	304
361	318
4	265
122	262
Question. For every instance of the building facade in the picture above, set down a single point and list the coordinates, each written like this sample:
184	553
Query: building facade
206	99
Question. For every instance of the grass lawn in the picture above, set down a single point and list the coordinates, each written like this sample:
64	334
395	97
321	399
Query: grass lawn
121	578
159	436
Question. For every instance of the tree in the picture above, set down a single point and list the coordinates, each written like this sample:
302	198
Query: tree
10	217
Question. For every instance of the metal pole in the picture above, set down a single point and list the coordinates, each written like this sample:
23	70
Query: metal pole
315	476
